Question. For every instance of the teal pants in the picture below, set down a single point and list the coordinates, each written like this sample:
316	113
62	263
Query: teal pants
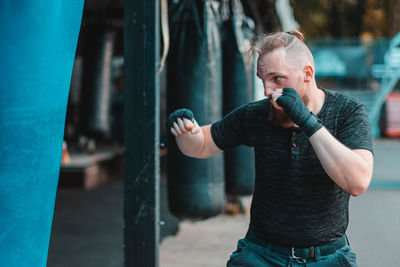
249	254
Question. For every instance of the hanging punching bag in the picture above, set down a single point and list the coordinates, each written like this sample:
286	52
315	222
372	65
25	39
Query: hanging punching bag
195	186
37	49
237	90
96	91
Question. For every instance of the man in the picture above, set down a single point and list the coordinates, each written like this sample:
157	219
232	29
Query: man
312	151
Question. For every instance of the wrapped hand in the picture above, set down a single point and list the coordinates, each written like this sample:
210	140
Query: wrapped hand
293	105
182	121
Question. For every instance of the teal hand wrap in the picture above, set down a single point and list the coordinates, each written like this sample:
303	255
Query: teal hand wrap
180	113
312	125
293	105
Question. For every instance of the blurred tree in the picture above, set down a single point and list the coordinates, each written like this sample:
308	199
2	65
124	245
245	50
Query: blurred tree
334	18
347	18
317	18
394	17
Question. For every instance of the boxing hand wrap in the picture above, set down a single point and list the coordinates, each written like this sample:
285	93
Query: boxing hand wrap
311	125
293	105
180	113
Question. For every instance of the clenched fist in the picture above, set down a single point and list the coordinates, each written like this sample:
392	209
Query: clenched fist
293	105
182	121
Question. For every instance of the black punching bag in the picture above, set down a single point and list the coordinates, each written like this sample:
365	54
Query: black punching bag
238	90
97	88
195	186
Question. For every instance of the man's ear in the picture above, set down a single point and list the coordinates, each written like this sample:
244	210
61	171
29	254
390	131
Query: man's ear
308	73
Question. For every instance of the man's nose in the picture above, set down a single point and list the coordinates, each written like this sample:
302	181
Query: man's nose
268	91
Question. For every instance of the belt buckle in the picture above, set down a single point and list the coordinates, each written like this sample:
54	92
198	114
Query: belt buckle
294	256
312	253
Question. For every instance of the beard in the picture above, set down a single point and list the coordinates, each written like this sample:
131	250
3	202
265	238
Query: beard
279	118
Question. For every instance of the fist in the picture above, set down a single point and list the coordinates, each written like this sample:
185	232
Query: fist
275	95
181	122
293	105
291	102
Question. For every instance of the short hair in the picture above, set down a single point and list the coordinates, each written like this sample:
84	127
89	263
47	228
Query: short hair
292	42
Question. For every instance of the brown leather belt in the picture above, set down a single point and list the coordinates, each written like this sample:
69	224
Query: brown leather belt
304	253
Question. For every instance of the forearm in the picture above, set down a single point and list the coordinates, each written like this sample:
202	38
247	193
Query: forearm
199	144
349	169
192	140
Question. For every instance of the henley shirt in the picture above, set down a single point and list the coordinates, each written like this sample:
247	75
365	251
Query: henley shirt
295	202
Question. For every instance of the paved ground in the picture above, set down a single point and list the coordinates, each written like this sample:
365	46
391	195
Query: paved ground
87	228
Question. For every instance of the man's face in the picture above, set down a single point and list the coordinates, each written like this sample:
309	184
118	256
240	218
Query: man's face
277	73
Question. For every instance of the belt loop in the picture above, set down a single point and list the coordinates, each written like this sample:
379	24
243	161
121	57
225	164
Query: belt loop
347	240
317	253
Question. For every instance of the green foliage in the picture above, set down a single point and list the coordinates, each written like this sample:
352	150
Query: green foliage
345	18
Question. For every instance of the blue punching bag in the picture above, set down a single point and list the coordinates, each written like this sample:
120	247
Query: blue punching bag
37	50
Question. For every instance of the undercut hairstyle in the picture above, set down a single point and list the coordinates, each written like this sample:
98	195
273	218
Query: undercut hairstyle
292	42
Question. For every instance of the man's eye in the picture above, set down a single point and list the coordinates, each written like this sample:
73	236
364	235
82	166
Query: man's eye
278	79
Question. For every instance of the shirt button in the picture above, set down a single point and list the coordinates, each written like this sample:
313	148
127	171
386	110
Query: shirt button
294	144
293	133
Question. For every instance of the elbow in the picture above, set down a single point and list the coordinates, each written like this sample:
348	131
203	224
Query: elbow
361	177
357	191
359	188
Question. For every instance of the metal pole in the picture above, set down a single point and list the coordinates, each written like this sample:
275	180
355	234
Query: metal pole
142	134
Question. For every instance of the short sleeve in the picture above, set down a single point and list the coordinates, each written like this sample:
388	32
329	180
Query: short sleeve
354	130
231	130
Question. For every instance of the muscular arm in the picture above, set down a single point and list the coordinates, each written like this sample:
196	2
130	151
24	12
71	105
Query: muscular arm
350	169
193	140
201	142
